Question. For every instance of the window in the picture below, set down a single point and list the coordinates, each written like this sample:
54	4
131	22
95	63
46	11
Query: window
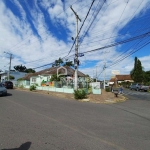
33	80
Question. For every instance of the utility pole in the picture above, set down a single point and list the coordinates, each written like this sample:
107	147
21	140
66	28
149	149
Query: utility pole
76	51
93	75
104	73
105	68
9	65
96	73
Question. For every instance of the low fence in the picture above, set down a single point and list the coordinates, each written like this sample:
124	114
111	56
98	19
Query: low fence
53	89
96	91
63	88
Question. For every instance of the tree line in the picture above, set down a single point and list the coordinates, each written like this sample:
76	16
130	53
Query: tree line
59	62
21	68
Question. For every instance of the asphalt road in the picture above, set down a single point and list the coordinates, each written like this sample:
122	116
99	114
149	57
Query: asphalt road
32	121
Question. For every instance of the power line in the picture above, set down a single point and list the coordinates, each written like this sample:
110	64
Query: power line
115	63
81	27
120	42
137	20
88	28
111	45
75	38
120	18
128	49
109	38
26	38
129	54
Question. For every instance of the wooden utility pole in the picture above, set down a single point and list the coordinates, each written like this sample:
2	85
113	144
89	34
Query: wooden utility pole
76	51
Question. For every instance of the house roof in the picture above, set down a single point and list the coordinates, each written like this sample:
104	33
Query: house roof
112	80
123	77
53	70
120	78
27	77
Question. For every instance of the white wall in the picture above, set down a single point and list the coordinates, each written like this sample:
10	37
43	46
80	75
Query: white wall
95	85
38	79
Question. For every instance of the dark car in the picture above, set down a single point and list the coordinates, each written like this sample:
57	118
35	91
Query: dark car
8	84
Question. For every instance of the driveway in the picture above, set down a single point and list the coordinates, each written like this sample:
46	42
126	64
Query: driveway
42	122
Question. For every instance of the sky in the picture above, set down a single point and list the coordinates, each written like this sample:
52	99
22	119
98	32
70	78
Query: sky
112	34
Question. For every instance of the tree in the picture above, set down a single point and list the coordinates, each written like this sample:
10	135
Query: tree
20	68
55	78
30	70
10	77
147	77
57	62
68	63
60	62
133	71
137	72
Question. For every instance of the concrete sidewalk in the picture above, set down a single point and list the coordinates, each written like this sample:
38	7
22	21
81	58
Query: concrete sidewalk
104	98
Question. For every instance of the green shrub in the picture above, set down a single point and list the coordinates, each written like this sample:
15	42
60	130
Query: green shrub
36	84
80	94
107	89
90	90
32	87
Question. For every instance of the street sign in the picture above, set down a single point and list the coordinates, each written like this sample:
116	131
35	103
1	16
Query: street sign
80	54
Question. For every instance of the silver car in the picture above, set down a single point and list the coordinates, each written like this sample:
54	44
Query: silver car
3	90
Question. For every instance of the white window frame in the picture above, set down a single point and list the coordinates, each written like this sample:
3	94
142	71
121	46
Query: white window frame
33	80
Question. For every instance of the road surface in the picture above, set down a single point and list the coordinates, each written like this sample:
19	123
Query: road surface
32	121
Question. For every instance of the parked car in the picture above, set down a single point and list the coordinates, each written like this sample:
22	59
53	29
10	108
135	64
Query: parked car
3	90
8	84
139	87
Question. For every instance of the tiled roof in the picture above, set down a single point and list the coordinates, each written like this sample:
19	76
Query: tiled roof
27	77
123	77
53	70
120	78
112	80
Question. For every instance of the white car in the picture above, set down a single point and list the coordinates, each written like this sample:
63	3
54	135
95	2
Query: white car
3	90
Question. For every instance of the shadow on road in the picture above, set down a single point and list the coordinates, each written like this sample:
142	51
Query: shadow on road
24	146
9	94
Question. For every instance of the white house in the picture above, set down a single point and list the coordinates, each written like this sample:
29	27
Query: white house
43	77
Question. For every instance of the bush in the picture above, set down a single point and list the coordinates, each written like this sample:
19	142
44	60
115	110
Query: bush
32	87
107	89
80	94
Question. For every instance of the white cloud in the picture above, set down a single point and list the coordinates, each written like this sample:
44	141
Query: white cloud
18	38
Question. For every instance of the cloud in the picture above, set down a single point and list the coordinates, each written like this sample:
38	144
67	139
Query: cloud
36	34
